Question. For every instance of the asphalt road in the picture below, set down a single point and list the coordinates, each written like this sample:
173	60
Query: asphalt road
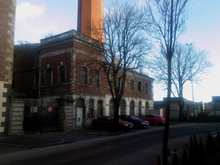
140	146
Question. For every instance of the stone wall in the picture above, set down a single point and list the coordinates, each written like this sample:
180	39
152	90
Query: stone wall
7	17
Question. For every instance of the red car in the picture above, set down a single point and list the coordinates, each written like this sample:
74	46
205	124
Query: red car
107	122
153	119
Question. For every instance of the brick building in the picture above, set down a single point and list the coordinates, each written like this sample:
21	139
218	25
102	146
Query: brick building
66	68
7	17
65	65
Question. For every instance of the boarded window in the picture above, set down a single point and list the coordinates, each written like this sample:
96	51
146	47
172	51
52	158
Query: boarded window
36	80
139	86
139	108
146	88
84	75
132	108
91	109
123	107
132	85
48	76
96	78
100	108
62	71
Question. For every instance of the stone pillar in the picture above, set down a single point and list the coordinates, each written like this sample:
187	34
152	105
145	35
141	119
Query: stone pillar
7	17
16	117
65	116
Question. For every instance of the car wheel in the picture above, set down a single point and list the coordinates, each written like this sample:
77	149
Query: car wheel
136	126
155	123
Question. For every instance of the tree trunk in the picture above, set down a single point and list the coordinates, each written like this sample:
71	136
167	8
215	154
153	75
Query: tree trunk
181	104
116	116
167	114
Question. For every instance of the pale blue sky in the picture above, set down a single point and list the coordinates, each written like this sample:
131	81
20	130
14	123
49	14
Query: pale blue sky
37	18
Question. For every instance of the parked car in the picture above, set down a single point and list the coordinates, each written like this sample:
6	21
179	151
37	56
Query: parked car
108	122
138	123
153	119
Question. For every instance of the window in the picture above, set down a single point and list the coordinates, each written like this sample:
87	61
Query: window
80	102
96	78
132	108
91	109
111	107
146	105
36	80
132	85
146	88
123	107
84	75
36	60
100	111
62	72
139	108
48	76
139	86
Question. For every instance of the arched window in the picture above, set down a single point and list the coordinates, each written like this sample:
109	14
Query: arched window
132	84
80	103
111	107
146	88
91	109
139	108
146	105
48	76
96	78
132	108
100	108
123	107
84	75
139	86
62	74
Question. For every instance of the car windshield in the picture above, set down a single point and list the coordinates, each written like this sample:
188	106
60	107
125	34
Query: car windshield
134	118
159	116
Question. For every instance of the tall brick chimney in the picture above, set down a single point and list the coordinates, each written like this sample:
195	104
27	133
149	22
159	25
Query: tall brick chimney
90	18
7	19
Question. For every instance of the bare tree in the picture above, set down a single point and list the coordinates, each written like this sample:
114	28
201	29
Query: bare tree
188	63
125	47
166	29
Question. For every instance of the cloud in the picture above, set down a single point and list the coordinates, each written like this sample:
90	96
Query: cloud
27	10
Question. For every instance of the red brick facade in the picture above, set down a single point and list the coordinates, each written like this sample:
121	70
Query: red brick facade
90	18
73	55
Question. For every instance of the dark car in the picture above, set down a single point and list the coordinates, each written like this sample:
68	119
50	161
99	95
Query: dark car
107	122
153	119
138	123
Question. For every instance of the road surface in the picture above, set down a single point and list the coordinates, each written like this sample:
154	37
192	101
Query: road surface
140	146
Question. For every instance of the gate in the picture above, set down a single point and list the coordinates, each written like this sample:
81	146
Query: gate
40	116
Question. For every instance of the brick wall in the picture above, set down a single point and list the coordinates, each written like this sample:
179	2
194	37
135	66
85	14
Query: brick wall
24	69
